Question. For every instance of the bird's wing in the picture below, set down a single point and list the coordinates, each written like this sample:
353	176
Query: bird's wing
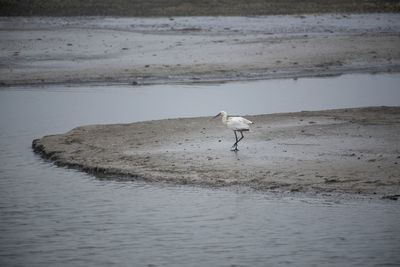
246	120
238	123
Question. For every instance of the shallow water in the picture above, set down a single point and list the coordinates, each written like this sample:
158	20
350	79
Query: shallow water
56	216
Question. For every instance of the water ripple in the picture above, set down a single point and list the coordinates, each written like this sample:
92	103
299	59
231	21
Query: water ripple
57	216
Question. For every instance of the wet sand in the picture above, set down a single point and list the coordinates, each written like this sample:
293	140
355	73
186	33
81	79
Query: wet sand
42	50
346	152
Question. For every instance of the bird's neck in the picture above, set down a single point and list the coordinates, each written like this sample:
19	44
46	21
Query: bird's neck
224	118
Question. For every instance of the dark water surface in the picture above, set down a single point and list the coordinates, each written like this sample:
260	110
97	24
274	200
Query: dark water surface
54	216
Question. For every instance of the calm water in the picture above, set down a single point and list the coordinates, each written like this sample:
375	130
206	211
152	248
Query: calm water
54	216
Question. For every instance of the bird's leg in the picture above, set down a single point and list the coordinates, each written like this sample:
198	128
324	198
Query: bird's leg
238	140
234	147
240	137
235	144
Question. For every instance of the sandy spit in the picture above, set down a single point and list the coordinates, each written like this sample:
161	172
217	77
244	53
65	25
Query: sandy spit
352	152
42	50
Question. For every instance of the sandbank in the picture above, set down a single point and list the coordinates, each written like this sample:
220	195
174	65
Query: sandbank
352	152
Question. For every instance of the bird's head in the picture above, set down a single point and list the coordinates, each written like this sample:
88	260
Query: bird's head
221	113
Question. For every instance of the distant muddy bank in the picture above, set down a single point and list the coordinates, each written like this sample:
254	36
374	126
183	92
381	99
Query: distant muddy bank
145	8
42	50
352	152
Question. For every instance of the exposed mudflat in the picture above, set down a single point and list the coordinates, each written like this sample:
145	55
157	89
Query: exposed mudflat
38	50
346	151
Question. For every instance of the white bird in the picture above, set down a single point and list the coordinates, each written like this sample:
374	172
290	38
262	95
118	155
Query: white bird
237	124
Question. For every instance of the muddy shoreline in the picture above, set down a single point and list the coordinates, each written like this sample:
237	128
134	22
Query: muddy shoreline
352	152
43	50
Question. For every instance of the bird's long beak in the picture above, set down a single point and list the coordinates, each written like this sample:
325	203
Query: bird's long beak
214	116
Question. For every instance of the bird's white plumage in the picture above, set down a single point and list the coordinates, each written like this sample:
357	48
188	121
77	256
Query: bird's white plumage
235	123
238	123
